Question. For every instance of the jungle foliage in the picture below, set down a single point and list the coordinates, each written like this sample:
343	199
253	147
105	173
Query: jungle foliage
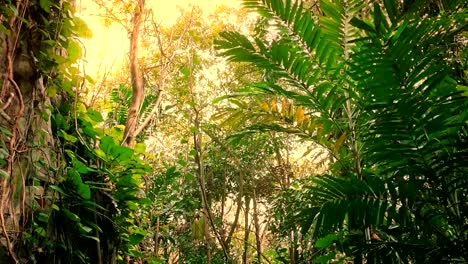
69	186
375	89
378	87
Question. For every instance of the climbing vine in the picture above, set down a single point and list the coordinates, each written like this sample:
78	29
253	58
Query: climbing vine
66	183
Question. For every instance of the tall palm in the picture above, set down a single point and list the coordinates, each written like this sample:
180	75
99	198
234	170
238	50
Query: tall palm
377	80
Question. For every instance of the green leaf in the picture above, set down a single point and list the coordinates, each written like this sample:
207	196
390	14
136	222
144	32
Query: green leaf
5	131
57	189
75	177
362	24
189	177
84	229
100	153
45	4
121	153
464	89
4	30
136	254
71	216
43	217
89	130
106	144
67	137
80	167
140	148
135	239
93	238
84	191
81	29
326	241
94	115
74	51
155	260
185	71
325	258
140	231
41	231
133	206
4	175
390	6
51	91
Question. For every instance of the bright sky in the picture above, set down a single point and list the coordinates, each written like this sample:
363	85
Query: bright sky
109	44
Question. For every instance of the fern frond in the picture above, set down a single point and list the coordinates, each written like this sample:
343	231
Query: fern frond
340	200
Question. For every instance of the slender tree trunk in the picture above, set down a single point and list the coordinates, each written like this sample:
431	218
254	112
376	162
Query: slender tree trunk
207	235
238	209
258	238
292	247
240	195
164	67
223	205
246	230
156	237
138	89
197	139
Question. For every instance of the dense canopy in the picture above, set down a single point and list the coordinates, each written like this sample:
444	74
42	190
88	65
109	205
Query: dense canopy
282	131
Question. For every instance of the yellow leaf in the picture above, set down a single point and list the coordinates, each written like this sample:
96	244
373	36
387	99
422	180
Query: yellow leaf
339	142
274	108
299	115
265	107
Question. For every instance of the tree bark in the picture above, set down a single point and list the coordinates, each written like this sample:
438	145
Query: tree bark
258	238
29	145
197	140
164	68
246	230
293	247
156	237
138	89
223	205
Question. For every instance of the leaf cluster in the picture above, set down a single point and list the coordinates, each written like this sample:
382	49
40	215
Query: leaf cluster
378	80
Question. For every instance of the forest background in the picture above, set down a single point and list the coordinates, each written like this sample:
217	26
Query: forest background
331	131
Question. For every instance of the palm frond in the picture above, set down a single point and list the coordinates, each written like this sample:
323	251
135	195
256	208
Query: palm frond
388	62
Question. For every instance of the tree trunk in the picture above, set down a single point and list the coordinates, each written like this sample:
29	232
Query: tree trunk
258	238
197	141
27	146
138	89
223	205
207	235
156	237
226	243
292	247
238	210
246	230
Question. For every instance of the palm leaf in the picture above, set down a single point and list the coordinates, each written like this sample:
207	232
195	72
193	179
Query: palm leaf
389	64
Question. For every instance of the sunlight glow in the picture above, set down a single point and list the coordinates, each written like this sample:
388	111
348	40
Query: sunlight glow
106	50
